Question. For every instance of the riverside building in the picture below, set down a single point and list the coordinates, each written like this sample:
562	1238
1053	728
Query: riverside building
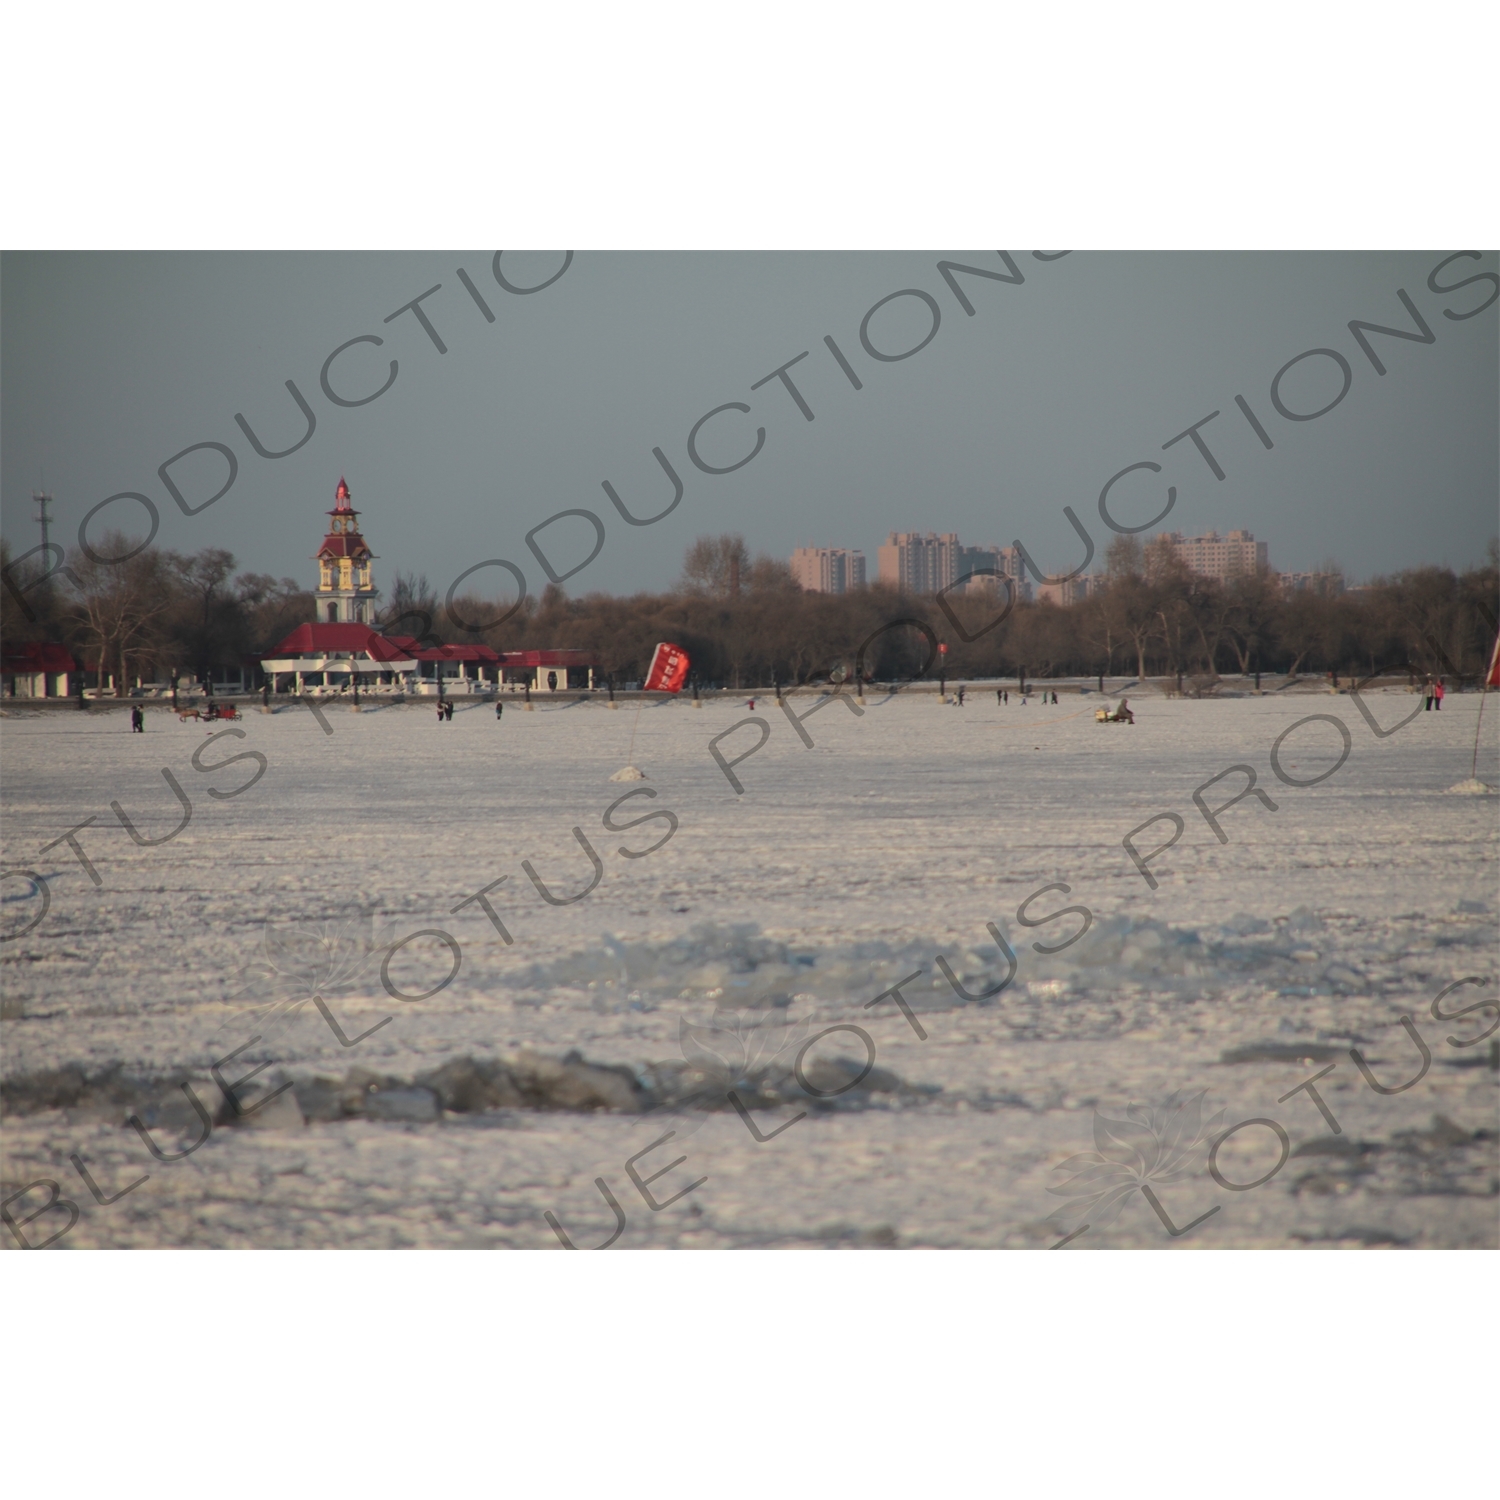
341	651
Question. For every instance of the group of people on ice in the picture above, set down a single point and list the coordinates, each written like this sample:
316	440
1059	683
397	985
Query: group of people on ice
1002	697
445	710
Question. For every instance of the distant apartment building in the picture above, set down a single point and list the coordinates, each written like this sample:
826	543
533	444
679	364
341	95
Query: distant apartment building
925	562
1326	584
1216	556
989	565
1070	590
828	570
918	562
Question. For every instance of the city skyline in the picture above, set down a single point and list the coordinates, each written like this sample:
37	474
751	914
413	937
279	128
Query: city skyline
926	562
834	568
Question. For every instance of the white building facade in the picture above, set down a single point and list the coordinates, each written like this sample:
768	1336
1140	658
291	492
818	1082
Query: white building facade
1216	556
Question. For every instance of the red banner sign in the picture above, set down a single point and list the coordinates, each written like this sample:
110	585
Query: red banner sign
669	669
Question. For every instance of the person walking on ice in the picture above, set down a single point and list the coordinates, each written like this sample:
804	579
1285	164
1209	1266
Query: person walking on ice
1437	694
137	721
499	708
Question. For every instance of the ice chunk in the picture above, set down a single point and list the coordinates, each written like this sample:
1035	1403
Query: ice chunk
1242	924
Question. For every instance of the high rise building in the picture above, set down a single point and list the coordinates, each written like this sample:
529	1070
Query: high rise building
925	562
828	570
1066	591
1006	563
920	562
1216	556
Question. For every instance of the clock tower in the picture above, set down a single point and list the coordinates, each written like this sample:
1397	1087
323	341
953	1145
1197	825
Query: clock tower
346	590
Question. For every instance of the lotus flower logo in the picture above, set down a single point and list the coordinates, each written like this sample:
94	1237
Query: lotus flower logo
1161	1146
737	1043
306	962
731	1057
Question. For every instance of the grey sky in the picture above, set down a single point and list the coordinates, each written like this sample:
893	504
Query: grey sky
112	363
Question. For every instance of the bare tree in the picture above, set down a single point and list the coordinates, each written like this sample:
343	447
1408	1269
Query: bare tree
715	565
1134	598
1172	587
769	575
31	607
1253	600
1099	626
270	608
1211	608
120	605
411	596
201	578
1301	626
1428	606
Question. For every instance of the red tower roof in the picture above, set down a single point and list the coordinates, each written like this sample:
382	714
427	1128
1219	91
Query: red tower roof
345	544
343	538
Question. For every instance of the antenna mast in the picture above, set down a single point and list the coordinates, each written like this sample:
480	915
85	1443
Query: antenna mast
43	519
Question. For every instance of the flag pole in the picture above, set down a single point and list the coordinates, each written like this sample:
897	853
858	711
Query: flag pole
668	670
630	754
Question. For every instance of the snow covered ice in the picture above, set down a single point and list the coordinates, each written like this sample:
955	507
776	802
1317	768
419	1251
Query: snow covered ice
842	873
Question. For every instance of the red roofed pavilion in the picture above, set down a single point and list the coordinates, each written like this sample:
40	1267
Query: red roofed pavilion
341	648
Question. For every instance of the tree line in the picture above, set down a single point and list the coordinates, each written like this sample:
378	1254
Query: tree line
155	615
745	623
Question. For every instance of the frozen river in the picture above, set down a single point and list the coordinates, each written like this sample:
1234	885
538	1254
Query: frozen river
747	954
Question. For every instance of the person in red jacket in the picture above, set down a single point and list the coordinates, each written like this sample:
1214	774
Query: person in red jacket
1437	694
